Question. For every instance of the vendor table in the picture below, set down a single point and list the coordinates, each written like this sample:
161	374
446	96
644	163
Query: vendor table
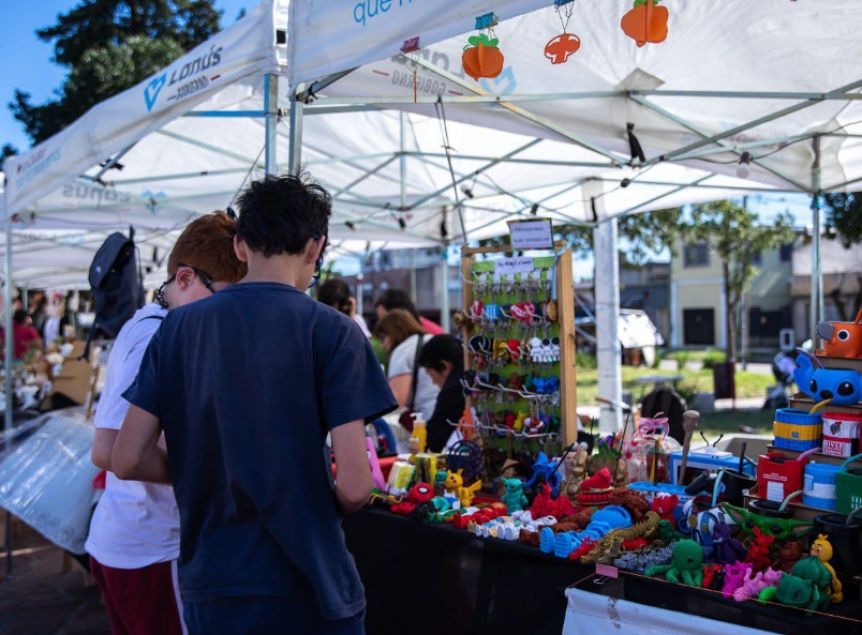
423	578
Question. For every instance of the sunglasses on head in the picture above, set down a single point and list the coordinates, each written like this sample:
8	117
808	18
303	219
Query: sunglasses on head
204	277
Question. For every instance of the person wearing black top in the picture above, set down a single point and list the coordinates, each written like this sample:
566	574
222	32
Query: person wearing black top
443	358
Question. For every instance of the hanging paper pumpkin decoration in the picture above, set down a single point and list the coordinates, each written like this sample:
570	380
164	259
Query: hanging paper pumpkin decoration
561	47
482	58
646	22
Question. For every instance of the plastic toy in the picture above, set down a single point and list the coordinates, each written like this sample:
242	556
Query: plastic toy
596	490
544	505
640	562
788	555
664	504
455	485
827	385
822	550
781	528
634	502
562	543
842	339
514	496
604	547
734	577
700	524
752	586
545	471
687	564
758	550
806	587
713	576
373	461
646	22
727	550
418	494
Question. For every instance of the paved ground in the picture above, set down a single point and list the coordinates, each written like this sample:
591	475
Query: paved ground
40	598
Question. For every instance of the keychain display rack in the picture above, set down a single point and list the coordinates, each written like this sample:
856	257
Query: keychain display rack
518	327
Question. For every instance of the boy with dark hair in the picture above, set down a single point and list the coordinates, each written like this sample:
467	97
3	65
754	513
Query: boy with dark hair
245	404
392	299
134	538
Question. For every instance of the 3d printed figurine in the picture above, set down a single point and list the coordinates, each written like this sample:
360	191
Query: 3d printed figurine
753	585
788	555
781	528
835	386
455	485
758	550
514	496
734	577
727	549
822	550
806	587
687	564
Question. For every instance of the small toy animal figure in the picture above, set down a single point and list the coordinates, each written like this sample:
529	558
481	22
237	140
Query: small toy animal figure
788	555
842	339
781	528
687	564
822	550
838	387
419	494
514	496
758	550
734	577
455	485
806	587
663	505
727	549
545	471
632	501
713	576
752	586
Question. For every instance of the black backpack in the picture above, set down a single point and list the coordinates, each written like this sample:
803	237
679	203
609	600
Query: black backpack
116	286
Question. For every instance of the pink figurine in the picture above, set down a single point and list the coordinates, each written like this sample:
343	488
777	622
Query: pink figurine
734	577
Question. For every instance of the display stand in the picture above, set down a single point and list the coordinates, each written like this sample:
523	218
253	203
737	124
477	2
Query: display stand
556	268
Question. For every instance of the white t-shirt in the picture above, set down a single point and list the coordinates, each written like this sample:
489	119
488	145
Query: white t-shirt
135	524
401	363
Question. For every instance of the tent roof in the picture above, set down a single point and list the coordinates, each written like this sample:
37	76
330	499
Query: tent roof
183	142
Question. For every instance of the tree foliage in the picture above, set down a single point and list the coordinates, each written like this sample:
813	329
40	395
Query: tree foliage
8	150
735	235
109	46
844	215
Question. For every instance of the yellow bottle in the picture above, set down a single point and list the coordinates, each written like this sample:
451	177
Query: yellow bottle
419	437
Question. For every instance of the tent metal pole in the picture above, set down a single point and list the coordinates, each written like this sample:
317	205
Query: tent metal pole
816	264
270	96
9	361
607	308
112	162
753	124
545	123
678	188
682	122
402	161
295	154
444	289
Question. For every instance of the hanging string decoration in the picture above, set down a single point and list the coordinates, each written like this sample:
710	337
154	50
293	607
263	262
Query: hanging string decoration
412	46
482	57
563	46
646	22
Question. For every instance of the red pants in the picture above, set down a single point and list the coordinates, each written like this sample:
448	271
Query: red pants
141	601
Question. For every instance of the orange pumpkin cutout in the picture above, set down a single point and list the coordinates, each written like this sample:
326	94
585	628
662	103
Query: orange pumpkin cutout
561	47
482	58
646	22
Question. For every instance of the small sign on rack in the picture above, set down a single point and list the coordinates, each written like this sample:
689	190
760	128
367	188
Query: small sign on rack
531	234
511	266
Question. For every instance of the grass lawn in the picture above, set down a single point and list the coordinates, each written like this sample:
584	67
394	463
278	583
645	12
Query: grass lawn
747	384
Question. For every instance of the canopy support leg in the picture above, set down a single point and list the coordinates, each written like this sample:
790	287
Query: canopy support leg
607	294
444	290
296	106
816	264
270	96
10	384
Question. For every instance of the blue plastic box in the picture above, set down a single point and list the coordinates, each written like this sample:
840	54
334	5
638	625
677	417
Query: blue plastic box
707	461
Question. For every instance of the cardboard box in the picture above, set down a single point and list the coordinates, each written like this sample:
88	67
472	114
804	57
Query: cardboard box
76	377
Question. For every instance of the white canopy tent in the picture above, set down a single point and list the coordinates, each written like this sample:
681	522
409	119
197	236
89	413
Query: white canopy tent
308	82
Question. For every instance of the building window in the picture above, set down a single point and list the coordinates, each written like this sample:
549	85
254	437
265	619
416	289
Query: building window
785	252
757	258
695	255
698	327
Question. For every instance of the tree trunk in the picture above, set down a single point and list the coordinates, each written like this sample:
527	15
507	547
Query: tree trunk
729	308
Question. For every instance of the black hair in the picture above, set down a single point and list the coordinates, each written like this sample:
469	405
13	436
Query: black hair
439	349
280	214
20	316
335	293
397	299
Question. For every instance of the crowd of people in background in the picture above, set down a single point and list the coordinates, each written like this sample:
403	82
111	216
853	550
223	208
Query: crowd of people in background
39	325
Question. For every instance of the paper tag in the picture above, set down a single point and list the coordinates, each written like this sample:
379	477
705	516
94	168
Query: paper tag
607	570
531	234
511	266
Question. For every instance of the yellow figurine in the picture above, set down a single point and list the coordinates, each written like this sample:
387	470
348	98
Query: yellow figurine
455	485
822	550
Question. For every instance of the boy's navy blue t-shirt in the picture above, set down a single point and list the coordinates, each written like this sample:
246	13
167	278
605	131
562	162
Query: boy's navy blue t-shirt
247	384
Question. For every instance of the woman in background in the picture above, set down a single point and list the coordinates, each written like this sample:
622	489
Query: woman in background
442	357
336	293
401	336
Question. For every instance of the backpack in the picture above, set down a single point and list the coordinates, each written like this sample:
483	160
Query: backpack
668	401
116	286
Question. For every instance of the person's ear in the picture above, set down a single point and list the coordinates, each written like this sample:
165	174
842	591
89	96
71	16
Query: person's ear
240	248
447	366
315	248
185	278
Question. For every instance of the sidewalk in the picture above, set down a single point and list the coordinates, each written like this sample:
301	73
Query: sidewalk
42	599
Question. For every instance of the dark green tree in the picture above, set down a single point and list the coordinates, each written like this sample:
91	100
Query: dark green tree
109	46
735	234
844	215
7	151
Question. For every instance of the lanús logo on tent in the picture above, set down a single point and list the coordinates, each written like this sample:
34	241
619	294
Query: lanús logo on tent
151	92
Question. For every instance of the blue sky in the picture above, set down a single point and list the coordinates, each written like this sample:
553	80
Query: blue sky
27	60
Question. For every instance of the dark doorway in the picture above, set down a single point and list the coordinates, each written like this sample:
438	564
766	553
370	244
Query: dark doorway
698	327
